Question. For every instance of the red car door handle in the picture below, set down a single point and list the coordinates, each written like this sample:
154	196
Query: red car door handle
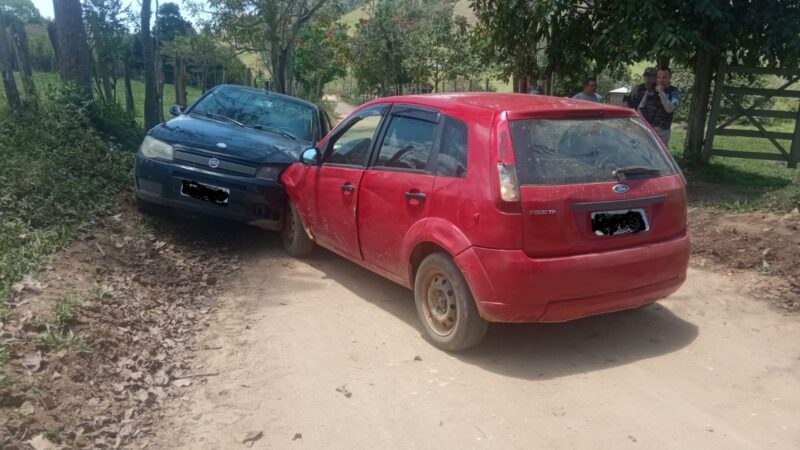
347	187
418	196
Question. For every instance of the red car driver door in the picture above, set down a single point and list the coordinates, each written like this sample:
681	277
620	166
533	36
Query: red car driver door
336	189
396	190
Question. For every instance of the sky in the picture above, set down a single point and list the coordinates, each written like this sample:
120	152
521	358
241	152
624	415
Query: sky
46	6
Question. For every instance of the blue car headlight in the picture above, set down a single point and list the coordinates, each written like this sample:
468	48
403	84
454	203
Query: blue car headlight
153	148
272	173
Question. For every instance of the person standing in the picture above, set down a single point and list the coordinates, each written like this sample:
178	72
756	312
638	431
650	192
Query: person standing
657	100
640	90
589	92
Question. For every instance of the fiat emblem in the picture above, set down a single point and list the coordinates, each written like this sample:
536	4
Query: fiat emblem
621	188
213	163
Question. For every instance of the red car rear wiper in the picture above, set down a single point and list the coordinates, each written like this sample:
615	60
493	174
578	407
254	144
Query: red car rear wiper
622	172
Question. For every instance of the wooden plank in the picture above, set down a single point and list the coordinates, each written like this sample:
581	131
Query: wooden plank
761	101
764	70
757	124
760	113
764	92
754	134
748	155
719	88
794	151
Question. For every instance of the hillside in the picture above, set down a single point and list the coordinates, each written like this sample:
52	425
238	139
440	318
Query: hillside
351	19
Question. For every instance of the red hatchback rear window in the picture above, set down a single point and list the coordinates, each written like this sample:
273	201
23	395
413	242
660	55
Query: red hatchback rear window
572	151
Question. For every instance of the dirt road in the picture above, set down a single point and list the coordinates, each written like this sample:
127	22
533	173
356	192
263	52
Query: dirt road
323	354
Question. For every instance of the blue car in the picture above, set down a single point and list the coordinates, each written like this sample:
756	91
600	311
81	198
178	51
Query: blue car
223	155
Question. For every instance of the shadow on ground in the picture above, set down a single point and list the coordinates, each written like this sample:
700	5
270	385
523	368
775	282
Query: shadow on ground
534	351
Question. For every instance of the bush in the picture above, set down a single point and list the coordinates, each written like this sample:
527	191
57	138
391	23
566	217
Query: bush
58	172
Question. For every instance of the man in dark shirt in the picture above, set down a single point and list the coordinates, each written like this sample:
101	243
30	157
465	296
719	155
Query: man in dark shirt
657	100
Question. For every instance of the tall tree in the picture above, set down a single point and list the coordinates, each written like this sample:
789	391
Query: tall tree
107	22
151	103
267	27
6	66
73	49
170	23
322	53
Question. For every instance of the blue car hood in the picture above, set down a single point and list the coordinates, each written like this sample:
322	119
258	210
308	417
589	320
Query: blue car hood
243	143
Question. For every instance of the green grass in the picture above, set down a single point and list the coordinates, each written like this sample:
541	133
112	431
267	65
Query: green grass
58	172
46	82
66	309
741	185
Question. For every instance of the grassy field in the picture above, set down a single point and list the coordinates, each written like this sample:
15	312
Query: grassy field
46	81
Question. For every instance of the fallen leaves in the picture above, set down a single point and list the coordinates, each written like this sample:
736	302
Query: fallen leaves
144	300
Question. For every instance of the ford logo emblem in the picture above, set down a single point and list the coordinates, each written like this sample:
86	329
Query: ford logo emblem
618	188
214	163
222	145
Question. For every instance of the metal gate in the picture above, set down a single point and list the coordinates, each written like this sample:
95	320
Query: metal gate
718	127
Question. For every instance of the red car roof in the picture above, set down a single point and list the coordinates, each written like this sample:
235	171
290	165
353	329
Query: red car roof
517	105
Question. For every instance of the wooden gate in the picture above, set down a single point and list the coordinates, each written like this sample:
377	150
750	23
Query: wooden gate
719	127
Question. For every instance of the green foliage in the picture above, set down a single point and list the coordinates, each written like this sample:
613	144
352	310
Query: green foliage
107	29
56	339
66	310
404	41
321	53
39	48
170	23
767	33
58	173
22	9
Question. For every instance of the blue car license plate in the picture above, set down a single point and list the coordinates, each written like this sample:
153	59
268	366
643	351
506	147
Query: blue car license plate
206	192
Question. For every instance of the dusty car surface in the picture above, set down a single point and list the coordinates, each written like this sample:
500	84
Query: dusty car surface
496	208
223	155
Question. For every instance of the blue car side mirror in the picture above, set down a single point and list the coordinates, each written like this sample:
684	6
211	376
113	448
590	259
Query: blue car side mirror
176	110
310	157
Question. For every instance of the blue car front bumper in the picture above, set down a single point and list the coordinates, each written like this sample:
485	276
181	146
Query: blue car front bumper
249	199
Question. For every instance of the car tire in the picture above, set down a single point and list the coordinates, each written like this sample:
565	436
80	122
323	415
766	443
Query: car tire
294	238
445	305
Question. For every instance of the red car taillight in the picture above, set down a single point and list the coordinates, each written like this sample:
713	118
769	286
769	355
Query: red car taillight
506	169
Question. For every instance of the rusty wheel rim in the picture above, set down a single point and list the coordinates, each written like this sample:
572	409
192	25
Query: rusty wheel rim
439	305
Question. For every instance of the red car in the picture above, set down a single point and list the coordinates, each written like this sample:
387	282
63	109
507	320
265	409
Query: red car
496	208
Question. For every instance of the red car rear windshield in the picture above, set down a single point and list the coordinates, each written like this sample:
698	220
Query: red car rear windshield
570	151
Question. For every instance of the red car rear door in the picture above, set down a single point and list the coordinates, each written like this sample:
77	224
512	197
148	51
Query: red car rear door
396	189
336	188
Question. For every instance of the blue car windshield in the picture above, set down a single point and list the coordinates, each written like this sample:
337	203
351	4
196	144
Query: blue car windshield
258	110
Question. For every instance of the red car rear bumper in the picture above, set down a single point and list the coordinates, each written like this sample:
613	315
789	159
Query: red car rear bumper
511	287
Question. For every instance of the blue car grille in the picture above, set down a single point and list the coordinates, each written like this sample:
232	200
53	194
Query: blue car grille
196	158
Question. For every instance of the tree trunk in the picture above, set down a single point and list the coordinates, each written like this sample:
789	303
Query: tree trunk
150	88
159	82
129	105
6	63
180	81
74	57
204	79
20	38
693	151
